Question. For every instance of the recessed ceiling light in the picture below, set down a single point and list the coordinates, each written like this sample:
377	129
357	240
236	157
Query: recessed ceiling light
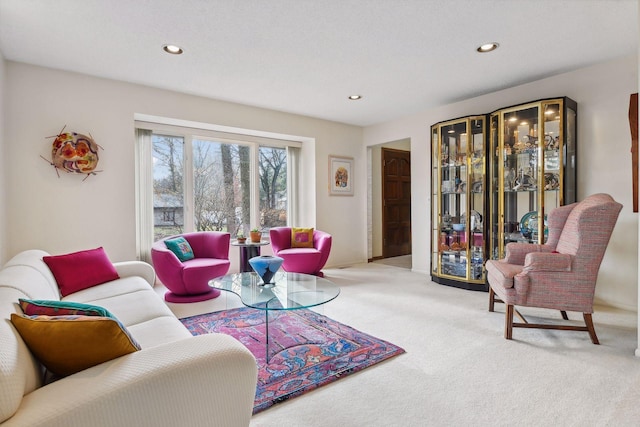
172	49
355	97
488	47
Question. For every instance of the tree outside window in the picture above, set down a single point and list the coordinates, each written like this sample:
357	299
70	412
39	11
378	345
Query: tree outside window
168	184
273	187
221	185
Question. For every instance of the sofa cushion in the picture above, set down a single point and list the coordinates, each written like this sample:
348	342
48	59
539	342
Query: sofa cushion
123	298
69	344
81	270
300	260
180	247
151	323
201	270
27	273
61	308
301	237
158	331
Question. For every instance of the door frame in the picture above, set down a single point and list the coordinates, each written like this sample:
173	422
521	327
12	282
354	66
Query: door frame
374	195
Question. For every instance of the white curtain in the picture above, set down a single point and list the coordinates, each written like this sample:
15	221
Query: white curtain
144	197
293	160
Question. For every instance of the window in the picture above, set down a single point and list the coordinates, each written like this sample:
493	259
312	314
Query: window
273	186
168	185
222	186
199	182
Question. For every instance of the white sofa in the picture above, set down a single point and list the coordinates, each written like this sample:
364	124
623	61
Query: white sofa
175	380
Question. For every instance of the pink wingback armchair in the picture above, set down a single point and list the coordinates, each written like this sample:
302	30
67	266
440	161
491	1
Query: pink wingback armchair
188	281
560	274
301	260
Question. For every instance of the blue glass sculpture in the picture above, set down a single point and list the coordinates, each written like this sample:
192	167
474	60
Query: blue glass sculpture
266	267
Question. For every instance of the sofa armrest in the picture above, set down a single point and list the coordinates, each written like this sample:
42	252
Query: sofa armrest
540	261
199	381
136	268
516	252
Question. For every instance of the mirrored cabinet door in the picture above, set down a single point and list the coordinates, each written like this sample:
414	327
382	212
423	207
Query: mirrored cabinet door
458	202
435	205
532	169
477	198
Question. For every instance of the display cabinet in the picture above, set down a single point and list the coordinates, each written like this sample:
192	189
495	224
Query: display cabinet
532	169
459	202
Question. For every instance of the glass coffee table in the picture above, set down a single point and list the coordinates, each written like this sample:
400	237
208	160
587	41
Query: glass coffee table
289	291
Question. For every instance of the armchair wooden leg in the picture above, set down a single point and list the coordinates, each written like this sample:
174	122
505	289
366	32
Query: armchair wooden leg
508	322
592	331
492	299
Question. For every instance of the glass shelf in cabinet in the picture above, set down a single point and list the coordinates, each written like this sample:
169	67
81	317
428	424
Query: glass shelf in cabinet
455	269
526	190
519	238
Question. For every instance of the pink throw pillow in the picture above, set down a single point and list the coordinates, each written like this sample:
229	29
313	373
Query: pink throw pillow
81	270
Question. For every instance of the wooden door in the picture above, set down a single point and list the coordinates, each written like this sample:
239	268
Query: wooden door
396	202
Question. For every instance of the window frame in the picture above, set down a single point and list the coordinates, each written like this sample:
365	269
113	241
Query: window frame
144	173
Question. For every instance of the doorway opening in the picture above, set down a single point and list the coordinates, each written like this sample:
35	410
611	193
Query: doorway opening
390	203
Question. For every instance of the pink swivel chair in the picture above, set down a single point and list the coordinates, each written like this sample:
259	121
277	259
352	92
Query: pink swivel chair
188	281
301	260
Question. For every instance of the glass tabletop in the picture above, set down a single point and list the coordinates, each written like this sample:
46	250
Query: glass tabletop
249	243
289	291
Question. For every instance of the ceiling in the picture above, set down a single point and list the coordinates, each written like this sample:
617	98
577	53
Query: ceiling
307	56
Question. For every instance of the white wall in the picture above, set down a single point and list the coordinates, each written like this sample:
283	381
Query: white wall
3	159
604	161
66	214
638	235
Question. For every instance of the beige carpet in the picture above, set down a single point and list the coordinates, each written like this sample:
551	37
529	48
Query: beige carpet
403	261
458	369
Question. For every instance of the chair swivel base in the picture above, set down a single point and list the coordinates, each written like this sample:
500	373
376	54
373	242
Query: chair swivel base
171	297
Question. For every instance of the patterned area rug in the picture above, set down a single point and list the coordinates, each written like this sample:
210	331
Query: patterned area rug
306	349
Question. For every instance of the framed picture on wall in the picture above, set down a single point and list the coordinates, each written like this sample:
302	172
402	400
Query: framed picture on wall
340	176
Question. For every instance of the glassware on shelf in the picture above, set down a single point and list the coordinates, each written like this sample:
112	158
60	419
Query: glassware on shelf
532	169
459	190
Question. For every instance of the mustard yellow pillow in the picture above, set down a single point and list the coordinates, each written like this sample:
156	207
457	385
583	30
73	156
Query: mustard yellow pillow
301	237
69	344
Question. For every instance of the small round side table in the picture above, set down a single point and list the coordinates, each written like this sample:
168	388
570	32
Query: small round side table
248	250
